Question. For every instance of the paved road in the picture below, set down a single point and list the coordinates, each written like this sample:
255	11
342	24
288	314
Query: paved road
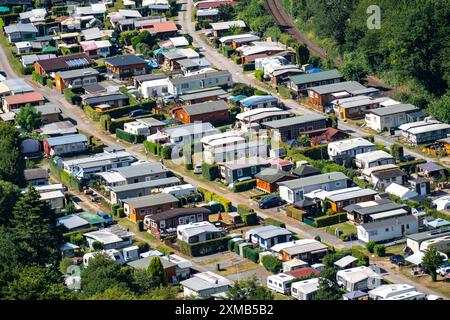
86	125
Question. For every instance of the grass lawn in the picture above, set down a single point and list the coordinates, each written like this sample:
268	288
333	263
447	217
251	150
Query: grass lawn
244	265
279	296
439	286
226	256
345	227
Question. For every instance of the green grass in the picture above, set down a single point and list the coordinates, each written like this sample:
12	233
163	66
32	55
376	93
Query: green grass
279	296
345	227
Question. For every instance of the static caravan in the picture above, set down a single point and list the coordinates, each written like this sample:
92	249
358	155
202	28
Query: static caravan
280	283
181	190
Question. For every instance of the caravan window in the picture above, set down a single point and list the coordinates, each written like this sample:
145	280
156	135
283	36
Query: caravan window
199	217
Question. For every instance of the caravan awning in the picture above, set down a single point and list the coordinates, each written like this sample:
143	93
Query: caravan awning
416	258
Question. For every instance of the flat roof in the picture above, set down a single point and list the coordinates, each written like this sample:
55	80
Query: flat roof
151	200
205	107
393	109
292	121
351	195
316	76
313	180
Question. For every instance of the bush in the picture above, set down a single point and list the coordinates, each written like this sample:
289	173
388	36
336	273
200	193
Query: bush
141	225
97	245
260	93
370	246
251	254
65	177
379	250
131	138
259	75
230	244
244	185
77	239
317	238
210	172
121	213
249	218
71	96
271	264
49	83
236	246
105	122
273	222
203	248
166	152
330	220
64	264
69	235
91	113
151	147
114	208
248	66
241	208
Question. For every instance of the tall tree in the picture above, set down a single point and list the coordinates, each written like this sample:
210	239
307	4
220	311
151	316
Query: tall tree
302	54
9	194
36	283
249	290
156	272
12	163
35	230
103	273
28	118
328	287
432	259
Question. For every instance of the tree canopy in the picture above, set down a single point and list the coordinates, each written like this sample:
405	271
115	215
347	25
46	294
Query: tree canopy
28	118
12	163
156	272
249	290
432	259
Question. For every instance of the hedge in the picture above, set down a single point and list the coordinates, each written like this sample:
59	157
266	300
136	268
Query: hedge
211	196
114	209
248	66
129	137
210	172
330	220
249	218
105	122
410	166
241	208
271	264
316	153
121	213
251	254
91	113
273	222
151	147
72	233
236	246
166	152
203	248
71	96
244	185
227	51
65	177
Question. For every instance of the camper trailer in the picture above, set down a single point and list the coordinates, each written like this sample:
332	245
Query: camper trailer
131	253
280	283
113	254
181	190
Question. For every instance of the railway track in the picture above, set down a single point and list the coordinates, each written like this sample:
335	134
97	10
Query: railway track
284	21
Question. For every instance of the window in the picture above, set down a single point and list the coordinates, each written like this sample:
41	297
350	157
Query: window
199	217
386	230
239	173
253	169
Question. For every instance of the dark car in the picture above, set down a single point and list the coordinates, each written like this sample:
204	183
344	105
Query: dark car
138	112
397	259
270	202
407	158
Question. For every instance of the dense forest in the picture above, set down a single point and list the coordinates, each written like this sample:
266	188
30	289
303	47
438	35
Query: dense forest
410	50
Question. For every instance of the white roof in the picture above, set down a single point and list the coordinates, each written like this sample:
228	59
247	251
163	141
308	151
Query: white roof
322	194
204	281
179	41
259	48
130	13
52	195
155	83
357	274
387	214
111	177
345	261
306	286
280	246
103	44
207	12
283	277
420	126
194	228
104	236
237	36
227	24
374	156
350	144
249	113
400	191
209	139
387	290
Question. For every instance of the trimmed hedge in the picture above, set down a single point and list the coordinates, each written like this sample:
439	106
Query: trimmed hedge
251	254
330	220
410	166
271	264
236	246
65	177
210	172
244	185
273	222
249	218
248	66
241	208
71	96
203	248
81	232
91	113
211	196
132	138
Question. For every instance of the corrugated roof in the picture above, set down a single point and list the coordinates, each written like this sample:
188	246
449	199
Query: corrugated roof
74	138
314	180
317	76
337	87
393	109
151	200
146	184
141	169
292	121
205	107
24	98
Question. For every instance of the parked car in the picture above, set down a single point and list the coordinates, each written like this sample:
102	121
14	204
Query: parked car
407	158
138	112
434	297
397	259
443	270
169	99
107	217
198	168
270	202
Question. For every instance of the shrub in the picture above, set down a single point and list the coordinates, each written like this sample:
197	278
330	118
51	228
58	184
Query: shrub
244	185
129	137
259	74
121	213
77	239
97	245
226	204
249	218
91	113
241	208
105	122
271	263
141	225
248	66
166	152
49	83
230	244
317	238
330	220
251	254
64	264
370	246
379	250
210	172
236	246
114	208
203	248
71	96
66	178
273	222
151	147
